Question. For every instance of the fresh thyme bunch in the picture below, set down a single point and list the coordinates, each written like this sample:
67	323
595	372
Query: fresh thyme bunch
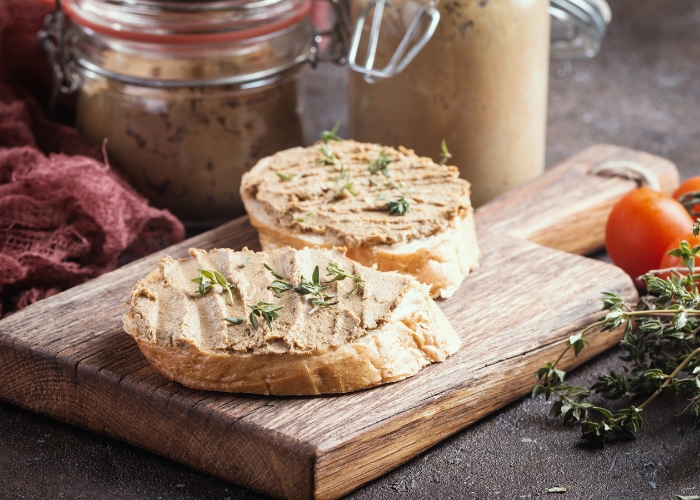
661	345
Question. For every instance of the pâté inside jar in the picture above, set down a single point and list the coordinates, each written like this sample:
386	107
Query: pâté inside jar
189	95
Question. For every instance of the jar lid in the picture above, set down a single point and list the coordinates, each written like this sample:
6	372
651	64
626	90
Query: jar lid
578	27
185	21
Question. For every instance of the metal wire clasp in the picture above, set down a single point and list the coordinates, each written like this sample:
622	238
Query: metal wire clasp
338	35
578	27
65	77
404	53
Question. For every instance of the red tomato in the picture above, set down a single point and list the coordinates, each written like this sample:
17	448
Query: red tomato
692	184
640	228
671	261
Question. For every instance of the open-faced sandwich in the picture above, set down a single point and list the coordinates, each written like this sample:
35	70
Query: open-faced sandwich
285	322
388	207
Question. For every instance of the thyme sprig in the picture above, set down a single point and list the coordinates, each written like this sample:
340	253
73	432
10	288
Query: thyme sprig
339	274
332	134
343	182
289	177
399	206
317	292
380	164
208	278
318	297
274	273
327	156
302	219
278	287
265	310
662	348
445	154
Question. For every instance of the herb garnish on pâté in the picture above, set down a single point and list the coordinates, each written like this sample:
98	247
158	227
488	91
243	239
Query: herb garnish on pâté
445	154
339	274
327	156
332	135
289	177
380	164
343	182
208	278
399	206
314	287
266	311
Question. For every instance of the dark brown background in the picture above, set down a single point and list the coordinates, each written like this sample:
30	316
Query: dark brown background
642	91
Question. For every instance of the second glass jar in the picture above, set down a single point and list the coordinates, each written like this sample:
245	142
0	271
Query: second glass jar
480	84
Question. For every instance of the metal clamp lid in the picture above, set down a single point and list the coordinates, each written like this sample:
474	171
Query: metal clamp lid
66	60
578	27
338	36
403	54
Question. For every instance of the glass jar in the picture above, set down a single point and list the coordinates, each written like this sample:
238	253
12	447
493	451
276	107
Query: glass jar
479	83
188	95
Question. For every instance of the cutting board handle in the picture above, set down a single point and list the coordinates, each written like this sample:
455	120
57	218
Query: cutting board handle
566	208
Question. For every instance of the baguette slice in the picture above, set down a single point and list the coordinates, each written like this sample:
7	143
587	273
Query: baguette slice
383	331
336	195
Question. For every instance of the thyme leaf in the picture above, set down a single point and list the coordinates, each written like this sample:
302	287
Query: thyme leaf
235	321
399	206
274	273
280	286
380	164
319	298
313	286
208	278
343	182
445	154
204	282
265	310
318	302
327	156
246	260
302	219
339	274
289	177
332	135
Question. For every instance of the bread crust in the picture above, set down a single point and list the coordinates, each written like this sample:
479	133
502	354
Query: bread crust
441	262
416	334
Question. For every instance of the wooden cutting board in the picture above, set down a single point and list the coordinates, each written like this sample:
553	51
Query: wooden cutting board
67	357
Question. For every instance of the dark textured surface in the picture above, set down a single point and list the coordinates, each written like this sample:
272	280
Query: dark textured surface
643	91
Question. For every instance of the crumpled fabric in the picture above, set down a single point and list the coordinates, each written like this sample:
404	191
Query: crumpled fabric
65	216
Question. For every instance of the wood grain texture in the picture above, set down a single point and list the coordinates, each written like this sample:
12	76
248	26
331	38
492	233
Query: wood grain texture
67	356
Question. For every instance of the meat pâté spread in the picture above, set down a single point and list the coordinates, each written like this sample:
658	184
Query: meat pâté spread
173	311
343	189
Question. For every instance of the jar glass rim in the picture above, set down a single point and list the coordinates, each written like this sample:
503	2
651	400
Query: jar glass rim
186	22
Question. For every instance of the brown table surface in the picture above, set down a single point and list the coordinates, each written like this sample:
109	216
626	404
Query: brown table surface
642	91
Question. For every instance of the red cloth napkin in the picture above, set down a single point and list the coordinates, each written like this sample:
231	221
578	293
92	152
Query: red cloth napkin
65	217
